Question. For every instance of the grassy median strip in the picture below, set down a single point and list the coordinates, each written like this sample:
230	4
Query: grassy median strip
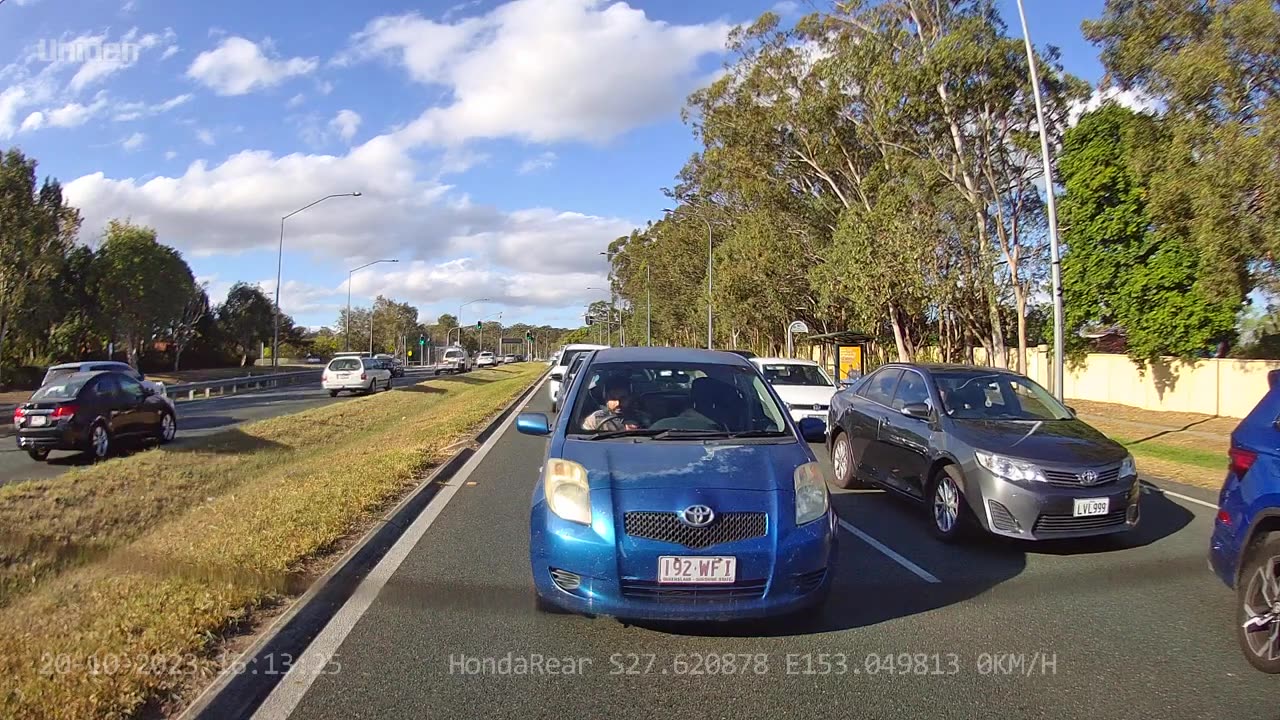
120	578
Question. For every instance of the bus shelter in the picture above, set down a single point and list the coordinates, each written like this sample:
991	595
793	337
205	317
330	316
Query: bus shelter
843	354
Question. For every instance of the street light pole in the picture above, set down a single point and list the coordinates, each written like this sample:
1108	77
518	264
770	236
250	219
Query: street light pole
679	211
473	302
609	315
275	333
347	330
1055	267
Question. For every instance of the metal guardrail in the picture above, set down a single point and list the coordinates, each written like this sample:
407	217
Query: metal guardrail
228	386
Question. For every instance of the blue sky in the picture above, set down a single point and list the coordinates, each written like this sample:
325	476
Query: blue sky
499	146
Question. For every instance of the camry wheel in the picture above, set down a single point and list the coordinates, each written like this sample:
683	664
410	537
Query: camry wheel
1258	603
947	506
38	454
99	441
168	428
842	459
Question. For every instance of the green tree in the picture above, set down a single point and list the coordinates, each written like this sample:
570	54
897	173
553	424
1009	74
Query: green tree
247	317
184	326
36	231
1120	267
143	286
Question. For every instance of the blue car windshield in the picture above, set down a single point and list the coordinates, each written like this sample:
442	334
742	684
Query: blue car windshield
674	400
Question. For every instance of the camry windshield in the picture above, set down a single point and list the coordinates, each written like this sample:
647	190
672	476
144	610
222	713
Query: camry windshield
675	401
996	396
795	374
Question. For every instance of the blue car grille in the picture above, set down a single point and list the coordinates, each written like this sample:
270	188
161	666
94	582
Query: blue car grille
647	589
667	527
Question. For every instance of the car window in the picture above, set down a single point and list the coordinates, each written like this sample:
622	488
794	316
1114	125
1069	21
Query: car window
911	390
344	364
566	358
129	388
64	387
54	375
996	396
718	398
106	388
795	374
880	386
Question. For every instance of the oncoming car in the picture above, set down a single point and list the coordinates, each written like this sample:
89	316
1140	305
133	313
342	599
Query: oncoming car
802	385
676	487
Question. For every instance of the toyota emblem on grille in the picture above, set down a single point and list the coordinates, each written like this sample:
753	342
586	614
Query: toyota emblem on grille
697	516
1088	477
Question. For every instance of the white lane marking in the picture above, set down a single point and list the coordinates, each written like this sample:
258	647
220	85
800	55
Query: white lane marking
313	662
1180	496
889	552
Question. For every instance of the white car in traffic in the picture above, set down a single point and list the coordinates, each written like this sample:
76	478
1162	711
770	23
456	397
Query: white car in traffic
563	361
355	374
802	384
486	359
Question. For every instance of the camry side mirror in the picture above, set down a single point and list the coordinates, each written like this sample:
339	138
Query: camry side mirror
1072	411
919	411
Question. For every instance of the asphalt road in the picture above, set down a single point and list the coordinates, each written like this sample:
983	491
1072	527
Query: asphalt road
1112	628
196	418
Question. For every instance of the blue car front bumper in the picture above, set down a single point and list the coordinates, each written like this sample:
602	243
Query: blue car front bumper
778	574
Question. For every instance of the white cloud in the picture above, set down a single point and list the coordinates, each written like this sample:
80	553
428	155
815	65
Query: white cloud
170	154
129	6
424	283
544	161
75	114
133	142
786	7
543	70
169	52
34	121
105	58
238	66
295	101
346	123
205	136
1132	99
135	110
12	99
236	206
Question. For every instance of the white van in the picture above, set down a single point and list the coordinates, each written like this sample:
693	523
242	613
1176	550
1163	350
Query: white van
455	360
355	374
562	365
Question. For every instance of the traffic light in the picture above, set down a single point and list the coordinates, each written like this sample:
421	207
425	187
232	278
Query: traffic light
528	336
590	320
477	324
422	339
410	352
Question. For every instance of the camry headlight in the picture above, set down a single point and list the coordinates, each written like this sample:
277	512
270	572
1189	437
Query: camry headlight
1010	469
811	493
565	485
1128	468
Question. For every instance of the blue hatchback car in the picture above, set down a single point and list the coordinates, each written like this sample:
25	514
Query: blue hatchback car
1245	547
677	487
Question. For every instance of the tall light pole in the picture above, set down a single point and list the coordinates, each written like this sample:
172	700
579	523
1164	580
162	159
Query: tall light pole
275	333
608	320
679	211
473	302
347	330
1055	266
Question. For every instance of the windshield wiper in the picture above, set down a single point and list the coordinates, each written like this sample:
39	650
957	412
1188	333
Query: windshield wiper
684	434
759	433
637	432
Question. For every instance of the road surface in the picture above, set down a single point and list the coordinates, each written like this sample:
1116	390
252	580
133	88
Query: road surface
1129	627
196	418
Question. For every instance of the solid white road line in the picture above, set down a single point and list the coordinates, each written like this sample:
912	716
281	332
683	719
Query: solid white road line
294	685
1180	496
888	552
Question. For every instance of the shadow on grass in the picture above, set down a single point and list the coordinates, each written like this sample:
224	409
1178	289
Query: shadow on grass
1172	431
466	379
228	442
206	422
420	389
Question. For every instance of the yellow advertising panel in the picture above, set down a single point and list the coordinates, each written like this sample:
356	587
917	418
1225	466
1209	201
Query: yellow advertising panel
849	358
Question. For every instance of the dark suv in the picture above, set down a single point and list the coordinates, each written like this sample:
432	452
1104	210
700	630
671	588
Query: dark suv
1245	547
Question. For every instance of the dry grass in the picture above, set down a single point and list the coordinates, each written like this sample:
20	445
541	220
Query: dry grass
153	556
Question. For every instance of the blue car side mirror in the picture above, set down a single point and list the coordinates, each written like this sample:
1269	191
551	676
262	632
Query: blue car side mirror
813	429
533	423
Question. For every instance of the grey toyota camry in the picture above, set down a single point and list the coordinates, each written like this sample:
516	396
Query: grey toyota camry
981	448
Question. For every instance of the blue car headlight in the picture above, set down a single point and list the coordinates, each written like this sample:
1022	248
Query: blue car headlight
811	493
565	485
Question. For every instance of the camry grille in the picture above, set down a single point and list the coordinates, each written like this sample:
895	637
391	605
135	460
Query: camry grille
1074	478
667	527
1062	524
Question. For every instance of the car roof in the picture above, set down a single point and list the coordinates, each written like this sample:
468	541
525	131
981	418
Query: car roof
782	361
665	354
952	367
583	346
112	363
